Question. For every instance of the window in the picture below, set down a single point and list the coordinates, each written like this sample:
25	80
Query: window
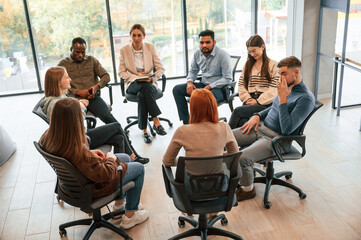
56	23
162	21
272	26
229	19
17	72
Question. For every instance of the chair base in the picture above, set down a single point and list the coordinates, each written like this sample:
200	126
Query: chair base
270	178
204	227
150	119
97	221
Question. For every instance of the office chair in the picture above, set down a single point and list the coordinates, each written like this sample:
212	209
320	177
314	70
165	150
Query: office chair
133	98
205	195
91	121
269	177
227	90
76	189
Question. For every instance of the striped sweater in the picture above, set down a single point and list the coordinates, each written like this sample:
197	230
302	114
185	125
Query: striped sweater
258	83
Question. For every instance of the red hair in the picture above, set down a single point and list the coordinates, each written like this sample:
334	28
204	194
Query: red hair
203	105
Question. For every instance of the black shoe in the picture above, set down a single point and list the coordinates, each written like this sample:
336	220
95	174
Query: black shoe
160	130
147	138
141	160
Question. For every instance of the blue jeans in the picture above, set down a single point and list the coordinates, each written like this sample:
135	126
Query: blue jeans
135	173
180	92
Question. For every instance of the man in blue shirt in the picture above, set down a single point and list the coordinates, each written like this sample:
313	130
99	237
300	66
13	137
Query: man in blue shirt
216	68
288	111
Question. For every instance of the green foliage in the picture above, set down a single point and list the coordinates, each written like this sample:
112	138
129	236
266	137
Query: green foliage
273	4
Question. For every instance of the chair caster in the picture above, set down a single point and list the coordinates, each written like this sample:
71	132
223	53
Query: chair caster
288	176
181	223
62	232
170	124
302	195
267	205
224	221
129	121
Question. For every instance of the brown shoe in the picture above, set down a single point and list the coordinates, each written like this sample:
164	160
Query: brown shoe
243	195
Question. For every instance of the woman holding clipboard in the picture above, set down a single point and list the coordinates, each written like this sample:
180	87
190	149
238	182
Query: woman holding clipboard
137	61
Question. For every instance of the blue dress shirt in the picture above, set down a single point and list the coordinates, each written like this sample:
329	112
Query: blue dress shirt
216	68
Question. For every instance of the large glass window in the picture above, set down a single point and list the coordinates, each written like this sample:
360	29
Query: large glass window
17	73
272	26
56	23
162	21
229	19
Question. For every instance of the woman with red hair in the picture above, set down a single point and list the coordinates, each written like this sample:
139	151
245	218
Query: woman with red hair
204	136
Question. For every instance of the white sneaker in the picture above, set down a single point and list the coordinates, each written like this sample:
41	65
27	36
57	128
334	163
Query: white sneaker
137	218
122	206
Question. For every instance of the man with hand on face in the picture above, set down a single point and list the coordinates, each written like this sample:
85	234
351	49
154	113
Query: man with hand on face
84	71
293	103
216	68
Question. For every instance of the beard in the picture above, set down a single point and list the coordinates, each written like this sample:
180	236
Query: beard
206	50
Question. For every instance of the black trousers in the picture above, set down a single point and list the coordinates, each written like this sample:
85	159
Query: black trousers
242	114
147	104
100	109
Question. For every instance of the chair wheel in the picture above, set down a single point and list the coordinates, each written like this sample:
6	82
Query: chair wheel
267	205
224	221
128	121
288	176
302	195
62	232
181	223
170	124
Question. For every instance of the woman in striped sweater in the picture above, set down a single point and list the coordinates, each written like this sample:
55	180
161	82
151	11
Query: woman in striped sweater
257	84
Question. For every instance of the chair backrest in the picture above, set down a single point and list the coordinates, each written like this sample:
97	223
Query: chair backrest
73	187
234	62
38	111
208	186
317	106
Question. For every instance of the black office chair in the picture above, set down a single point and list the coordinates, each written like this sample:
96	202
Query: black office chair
269	177
133	98
76	189
202	198
227	90
91	121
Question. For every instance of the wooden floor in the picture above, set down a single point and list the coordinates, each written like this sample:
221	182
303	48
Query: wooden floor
330	174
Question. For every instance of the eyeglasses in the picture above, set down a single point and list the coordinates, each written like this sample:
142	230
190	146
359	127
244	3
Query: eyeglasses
252	51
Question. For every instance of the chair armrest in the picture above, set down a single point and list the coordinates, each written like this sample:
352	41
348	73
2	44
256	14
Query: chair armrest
168	178
300	139
122	88
110	93
91	122
164	81
233	95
